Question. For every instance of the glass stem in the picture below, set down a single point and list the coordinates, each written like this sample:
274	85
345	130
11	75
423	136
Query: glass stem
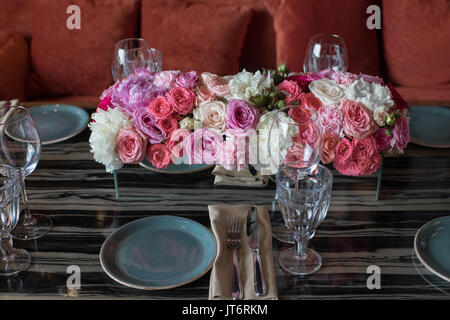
6	247
301	243
28	220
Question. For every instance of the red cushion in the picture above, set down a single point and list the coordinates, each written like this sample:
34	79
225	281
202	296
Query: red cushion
13	65
297	20
196	35
416	36
14	16
78	62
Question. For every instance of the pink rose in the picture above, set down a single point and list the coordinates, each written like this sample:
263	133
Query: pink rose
159	155
168	124
363	149
241	115
175	142
131	145
292	89
299	114
182	100
216	84
311	101
204	94
343	152
401	133
295	153
330	142
350	168
330	118
382	140
358	122
372	165
203	146
307	133
187	79
160	108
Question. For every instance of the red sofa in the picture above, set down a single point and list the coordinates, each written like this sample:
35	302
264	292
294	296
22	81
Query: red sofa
41	59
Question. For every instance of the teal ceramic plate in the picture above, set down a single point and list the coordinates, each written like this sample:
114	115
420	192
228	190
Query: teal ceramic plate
429	126
432	243
177	168
59	122
159	252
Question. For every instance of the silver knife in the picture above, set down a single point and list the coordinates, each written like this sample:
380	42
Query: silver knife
253	244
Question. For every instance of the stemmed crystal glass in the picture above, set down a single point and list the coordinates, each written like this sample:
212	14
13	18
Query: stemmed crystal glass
133	54
12	260
295	135
20	148
326	51
304	194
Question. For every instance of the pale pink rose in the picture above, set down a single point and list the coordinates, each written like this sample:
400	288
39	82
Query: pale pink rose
216	84
379	116
175	142
330	118
166	79
160	108
159	155
212	115
383	141
358	122
204	94
203	146
131	145
330	141
182	100
343	152
293	91
401	133
363	149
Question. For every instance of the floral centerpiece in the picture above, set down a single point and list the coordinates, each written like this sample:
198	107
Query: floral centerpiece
173	116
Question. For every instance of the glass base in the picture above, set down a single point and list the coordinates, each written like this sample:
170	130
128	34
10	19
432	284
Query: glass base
21	262
301	267
42	225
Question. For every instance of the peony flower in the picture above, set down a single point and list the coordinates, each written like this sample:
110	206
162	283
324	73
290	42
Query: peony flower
212	115
343	152
167	79
372	95
358	122
328	91
401	133
245	85
241	115
131	145
104	130
330	142
187	79
181	99
187	123
159	155
160	108
168	125
363	149
293	91
216	84
382	140
330	119
147	124
311	101
203	146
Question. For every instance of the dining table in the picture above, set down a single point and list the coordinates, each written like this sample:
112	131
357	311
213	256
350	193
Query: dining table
359	234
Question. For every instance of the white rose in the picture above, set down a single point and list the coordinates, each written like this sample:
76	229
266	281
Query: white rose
245	85
212	115
103	136
372	95
187	123
328	91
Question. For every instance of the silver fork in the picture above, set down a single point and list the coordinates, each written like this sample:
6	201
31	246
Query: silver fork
234	242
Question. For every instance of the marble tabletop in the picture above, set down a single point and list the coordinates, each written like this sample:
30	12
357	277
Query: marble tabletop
357	233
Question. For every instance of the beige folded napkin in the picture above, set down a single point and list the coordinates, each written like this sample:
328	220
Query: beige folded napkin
239	178
221	274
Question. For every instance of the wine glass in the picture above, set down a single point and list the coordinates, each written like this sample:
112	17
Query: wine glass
133	54
12	260
295	135
20	148
304	194
326	52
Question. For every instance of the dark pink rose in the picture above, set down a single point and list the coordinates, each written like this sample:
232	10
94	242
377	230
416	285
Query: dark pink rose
363	149
182	100
159	155
293	91
241	115
299	114
160	108
175	142
382	140
311	101
168	125
343	151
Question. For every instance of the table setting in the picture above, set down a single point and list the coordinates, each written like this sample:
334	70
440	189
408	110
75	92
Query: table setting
253	186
